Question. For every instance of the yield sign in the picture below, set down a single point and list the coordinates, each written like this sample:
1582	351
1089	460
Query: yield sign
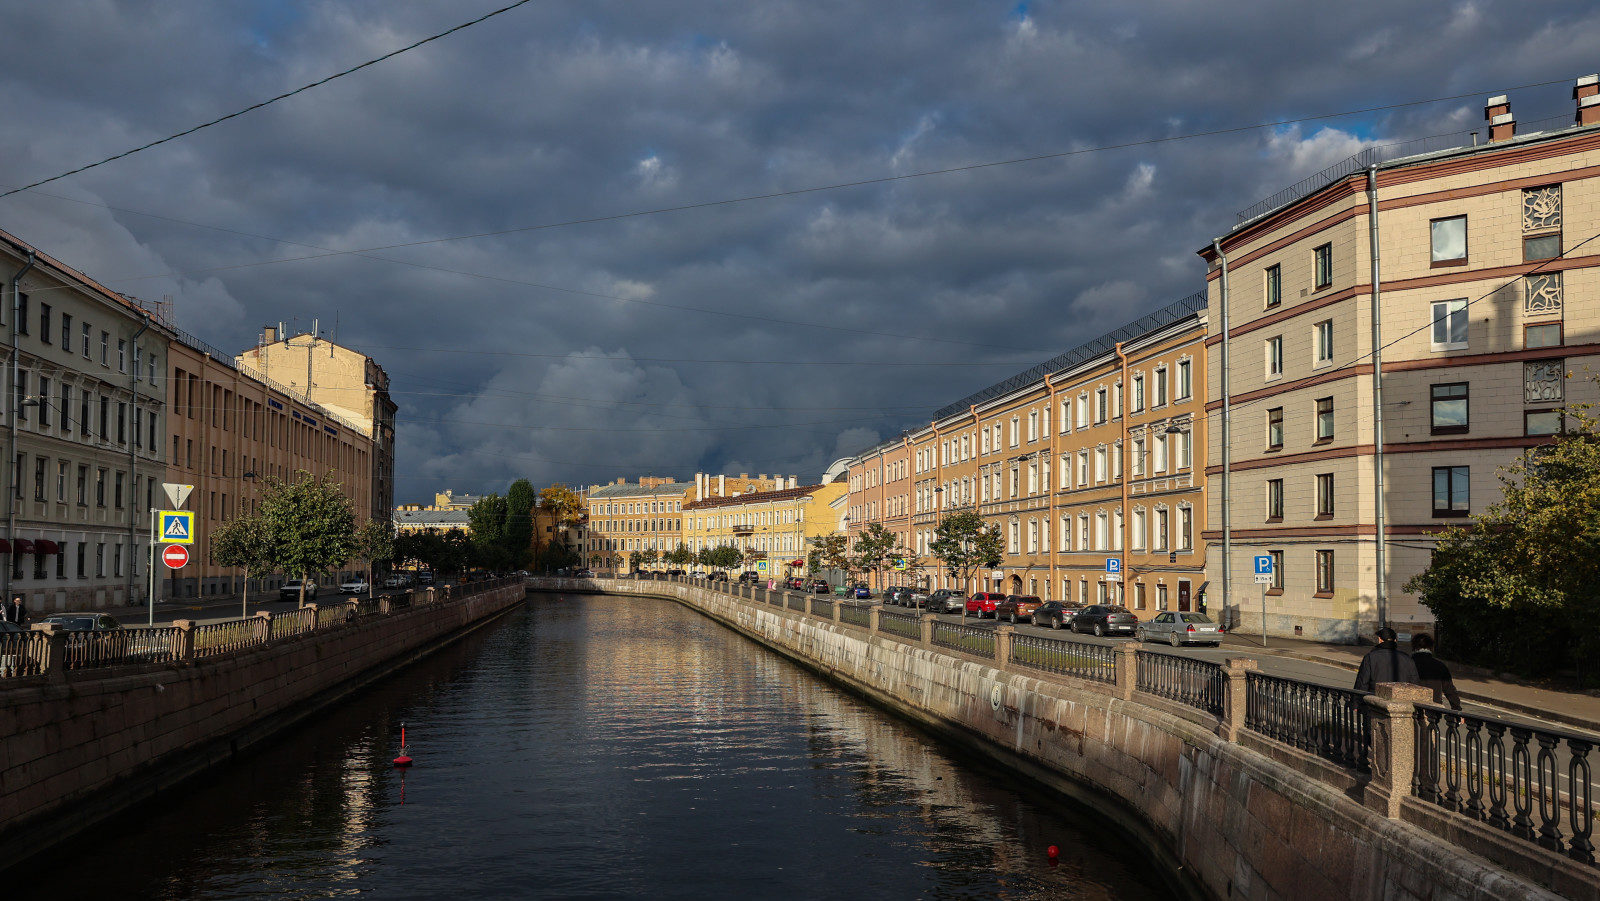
175	556
176	493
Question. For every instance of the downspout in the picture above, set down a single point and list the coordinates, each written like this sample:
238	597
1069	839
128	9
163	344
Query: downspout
15	403
1227	453
1049	485
1377	403
133	465
1122	463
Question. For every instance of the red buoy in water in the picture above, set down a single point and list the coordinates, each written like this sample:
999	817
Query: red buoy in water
402	760
1052	852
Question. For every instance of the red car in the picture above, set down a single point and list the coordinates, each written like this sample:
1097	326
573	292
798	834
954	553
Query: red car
983	603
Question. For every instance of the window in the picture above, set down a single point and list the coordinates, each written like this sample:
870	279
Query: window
66	334
1324	495
44	401
1163	516
1449	408
44	323
1100	405
1324	419
1541	422
1541	247
1274	286
1277	569
1322	340
39	468
86	340
117	489
122	355
1138	456
1185	528
105	349
61	481
1322	259
1138	394
1543	334
1275	428
1161	387
1451	494
1325	572
22	314
1450	241
1136	539
1185	379
1274	500
83	486
1275	357
100	488
1450	325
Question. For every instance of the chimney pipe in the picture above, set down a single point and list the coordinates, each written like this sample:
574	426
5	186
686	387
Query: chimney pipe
1587	93
722	486
1501	123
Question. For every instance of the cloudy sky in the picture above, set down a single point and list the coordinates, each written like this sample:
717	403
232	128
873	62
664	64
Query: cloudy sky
562	339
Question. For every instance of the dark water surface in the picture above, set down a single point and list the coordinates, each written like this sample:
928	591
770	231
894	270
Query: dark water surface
592	747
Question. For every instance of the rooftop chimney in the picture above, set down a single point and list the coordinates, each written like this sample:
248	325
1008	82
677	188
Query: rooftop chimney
1498	112
1587	93
269	335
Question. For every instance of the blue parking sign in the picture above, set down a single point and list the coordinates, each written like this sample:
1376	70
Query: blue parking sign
1113	564
1264	564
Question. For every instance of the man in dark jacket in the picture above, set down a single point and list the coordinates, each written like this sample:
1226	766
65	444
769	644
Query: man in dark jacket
16	612
1386	663
1433	673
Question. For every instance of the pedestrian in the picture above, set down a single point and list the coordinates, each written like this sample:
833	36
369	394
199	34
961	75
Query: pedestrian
1434	674
17	611
1386	663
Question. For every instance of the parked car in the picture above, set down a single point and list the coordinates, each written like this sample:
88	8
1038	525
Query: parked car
425	577
982	603
1105	619
1017	607
860	591
893	595
585	573
1055	614
794	583
947	600
83	622
916	597
396	582
752	577
676	572
717	577
820	586
1181	628
291	590
357	585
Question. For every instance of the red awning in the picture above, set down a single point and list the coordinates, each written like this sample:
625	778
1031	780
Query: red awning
21	546
5	546
46	546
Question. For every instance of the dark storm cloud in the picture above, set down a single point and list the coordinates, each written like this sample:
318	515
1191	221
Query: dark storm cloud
562	111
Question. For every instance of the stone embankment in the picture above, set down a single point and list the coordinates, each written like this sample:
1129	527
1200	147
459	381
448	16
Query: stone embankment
1207	766
86	730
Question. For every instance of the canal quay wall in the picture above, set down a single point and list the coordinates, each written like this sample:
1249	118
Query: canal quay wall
87	730
1160	745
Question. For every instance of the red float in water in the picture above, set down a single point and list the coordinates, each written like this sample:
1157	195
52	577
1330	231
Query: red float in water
1052	852
402	760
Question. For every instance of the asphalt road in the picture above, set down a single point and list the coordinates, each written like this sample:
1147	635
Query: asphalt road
211	611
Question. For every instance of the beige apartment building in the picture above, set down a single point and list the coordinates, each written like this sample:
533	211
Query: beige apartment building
229	430
346	382
1366	414
779	525
647	515
1089	457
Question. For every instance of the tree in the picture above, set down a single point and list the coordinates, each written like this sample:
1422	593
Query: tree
705	557
1517	588
964	543
246	543
565	504
520	501
487	518
679	556
374	543
634	559
875	547
725	557
831	552
309	524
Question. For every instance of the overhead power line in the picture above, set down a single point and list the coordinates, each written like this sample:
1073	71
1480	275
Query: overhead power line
269	101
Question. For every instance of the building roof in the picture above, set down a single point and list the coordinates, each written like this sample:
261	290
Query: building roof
449	518
754	497
636	490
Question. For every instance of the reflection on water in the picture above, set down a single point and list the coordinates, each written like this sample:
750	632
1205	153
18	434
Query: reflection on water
599	747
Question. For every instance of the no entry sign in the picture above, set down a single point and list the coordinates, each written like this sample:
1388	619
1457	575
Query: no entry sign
175	556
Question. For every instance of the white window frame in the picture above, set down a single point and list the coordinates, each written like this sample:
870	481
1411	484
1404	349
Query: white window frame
1451	308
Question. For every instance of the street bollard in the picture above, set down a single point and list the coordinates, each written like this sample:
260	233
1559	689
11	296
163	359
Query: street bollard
1236	670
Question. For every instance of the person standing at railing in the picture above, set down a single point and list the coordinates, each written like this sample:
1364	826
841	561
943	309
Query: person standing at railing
1386	663
1434	674
16	612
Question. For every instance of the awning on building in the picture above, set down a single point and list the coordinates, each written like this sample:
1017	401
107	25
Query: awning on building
5	546
21	546
46	546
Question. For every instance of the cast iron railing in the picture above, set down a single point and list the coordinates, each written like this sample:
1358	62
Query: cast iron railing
1328	722
968	639
114	648
905	625
212	639
855	615
822	607
1095	662
1195	683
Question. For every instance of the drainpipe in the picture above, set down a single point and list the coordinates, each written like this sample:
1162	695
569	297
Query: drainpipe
1227	452
1050	489
1377	402
1122	453
133	464
14	483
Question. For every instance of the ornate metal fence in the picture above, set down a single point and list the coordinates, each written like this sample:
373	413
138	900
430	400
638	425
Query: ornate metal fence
856	616
1328	722
292	622
967	639
1507	776
22	654
1095	662
796	601
822	607
86	650
332	614
1195	683
212	639
905	625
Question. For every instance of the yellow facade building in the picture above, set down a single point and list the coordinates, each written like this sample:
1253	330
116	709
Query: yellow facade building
779	525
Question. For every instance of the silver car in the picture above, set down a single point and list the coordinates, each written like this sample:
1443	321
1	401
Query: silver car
1181	628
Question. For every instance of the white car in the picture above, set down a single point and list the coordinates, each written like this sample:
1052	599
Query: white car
396	582
1181	628
355	586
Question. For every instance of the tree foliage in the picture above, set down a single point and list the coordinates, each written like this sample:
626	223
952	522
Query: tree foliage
520	501
374	544
309	524
965	544
246	543
875	547
1516	589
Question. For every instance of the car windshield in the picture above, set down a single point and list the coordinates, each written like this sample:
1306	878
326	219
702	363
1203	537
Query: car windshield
1194	617
1116	610
72	622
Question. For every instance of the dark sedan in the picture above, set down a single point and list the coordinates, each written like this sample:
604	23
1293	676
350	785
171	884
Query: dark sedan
820	586
1055	614
1104	619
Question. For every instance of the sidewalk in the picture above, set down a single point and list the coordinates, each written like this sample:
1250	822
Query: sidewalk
1580	709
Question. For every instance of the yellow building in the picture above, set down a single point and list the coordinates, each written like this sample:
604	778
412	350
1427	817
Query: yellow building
777	524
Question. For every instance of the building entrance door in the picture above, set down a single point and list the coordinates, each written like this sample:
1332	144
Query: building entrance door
1183	596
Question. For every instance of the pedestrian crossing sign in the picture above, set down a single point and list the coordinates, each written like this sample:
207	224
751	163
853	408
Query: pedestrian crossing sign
177	527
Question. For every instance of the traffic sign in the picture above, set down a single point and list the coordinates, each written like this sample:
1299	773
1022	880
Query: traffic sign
175	556
175	527
176	493
1263	569
761	566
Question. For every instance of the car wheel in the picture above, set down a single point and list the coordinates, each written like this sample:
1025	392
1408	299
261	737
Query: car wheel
1013	619
1173	639
1139	636
1055	622
1099	631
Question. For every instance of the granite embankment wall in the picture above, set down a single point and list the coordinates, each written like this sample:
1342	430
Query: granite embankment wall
77	745
1234	818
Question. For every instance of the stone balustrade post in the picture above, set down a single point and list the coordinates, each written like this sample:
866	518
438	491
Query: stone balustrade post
836	605
183	642
872	617
1392	712
927	620
385	606
352	609
1003	636
54	663
1127	669
264	626
1234	705
807	607
313	625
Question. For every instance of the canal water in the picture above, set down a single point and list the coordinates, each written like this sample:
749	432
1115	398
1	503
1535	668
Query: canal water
597	747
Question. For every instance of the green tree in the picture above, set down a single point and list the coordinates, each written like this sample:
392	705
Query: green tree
964	543
725	557
830	552
309	524
520	501
706	558
487	519
634	559
246	543
1517	588
374	544
679	556
875	547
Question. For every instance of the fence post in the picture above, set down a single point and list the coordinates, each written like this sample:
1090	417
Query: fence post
312	627
807	608
265	627
928	619
872	617
1127	669
183	642
384	606
1393	755
835	608
54	663
1002	643
1236	670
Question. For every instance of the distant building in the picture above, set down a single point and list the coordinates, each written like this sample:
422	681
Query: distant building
411	520
779	525
647	515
